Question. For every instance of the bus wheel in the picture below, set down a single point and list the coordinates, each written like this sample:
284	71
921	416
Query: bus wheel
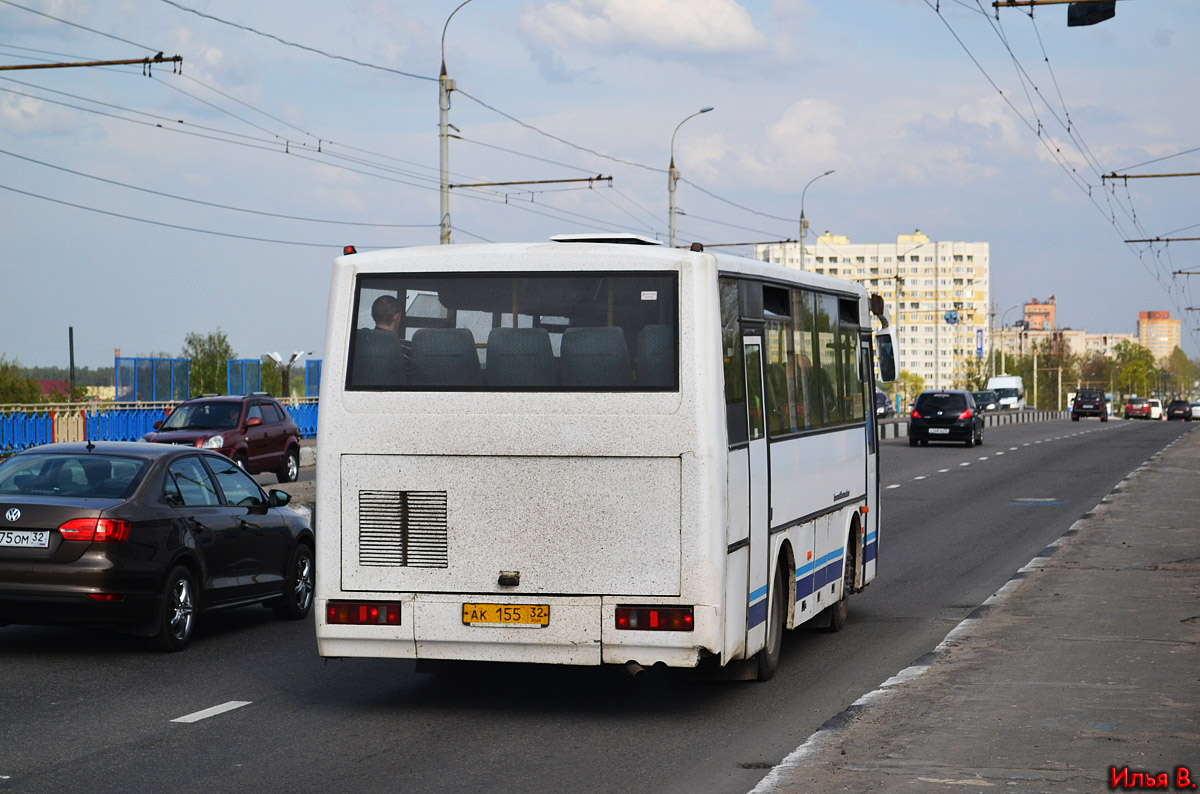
768	657
837	612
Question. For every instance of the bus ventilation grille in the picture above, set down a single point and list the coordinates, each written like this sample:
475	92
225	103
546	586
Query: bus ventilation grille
405	529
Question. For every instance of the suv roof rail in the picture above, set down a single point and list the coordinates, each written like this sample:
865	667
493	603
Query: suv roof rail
261	394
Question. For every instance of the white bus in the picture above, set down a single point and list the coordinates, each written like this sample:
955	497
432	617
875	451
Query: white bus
592	453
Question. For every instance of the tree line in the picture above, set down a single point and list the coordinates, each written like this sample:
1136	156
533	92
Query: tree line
1131	371
207	355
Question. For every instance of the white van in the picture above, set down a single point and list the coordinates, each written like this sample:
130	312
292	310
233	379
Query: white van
1010	389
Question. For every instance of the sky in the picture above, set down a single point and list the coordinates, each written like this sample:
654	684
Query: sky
138	208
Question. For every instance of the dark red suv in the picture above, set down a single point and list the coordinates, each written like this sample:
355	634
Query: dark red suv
254	430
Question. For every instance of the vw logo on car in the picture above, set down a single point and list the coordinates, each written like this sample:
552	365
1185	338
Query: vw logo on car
13	514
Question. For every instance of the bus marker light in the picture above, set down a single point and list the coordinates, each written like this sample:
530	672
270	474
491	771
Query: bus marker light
655	618
362	613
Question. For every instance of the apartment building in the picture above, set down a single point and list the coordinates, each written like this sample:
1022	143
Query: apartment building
1016	341
938	293
1158	333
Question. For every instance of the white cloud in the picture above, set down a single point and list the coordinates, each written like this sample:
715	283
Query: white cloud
659	26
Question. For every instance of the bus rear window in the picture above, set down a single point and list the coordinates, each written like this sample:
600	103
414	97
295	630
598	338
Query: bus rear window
575	332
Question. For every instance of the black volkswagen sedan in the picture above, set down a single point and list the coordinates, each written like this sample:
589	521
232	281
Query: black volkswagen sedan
945	415
144	537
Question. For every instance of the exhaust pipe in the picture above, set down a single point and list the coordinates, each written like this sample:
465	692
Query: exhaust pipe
634	669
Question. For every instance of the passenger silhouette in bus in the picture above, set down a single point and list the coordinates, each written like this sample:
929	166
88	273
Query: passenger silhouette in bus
380	353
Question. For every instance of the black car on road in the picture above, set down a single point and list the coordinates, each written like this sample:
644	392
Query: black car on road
144	537
945	415
1179	409
1089	402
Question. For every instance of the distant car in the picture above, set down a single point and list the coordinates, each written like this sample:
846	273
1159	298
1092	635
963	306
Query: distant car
945	415
254	431
1137	408
1156	411
1196	412
987	401
1179	409
144	537
883	405
1089	402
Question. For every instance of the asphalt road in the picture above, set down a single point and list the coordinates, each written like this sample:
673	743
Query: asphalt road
93	711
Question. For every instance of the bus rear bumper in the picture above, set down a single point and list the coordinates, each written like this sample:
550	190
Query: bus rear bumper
581	631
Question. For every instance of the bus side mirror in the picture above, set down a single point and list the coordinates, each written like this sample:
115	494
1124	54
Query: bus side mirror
885	352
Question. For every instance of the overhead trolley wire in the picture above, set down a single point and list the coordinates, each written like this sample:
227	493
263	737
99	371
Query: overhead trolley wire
216	205
81	27
304	47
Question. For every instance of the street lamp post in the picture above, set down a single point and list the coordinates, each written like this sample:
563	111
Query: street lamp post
803	220
1003	370
673	177
445	86
285	370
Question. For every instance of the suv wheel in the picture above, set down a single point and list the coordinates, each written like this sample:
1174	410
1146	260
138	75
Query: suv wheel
291	466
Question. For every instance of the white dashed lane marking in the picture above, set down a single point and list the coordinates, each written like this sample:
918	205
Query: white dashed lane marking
212	712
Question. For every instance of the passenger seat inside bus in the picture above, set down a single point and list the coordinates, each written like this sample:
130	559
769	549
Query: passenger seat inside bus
445	357
379	359
520	357
595	357
656	356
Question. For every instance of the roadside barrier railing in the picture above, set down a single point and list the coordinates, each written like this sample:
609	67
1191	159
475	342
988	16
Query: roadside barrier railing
25	426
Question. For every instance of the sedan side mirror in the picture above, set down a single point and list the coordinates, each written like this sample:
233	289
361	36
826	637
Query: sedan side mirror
157	424
279	498
254	421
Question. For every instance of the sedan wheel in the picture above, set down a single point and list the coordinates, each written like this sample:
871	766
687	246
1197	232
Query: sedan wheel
177	611
298	589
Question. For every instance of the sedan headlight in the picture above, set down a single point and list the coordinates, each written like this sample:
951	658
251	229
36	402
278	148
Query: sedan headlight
213	442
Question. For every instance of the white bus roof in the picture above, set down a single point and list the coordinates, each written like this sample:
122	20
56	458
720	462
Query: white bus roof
537	256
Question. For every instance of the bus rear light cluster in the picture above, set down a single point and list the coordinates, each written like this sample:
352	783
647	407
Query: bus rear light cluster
362	613
655	618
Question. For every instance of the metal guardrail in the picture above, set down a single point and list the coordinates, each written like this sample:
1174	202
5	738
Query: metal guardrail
25	426
898	427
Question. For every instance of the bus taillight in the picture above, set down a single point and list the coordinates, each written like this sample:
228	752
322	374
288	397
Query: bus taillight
362	613
655	618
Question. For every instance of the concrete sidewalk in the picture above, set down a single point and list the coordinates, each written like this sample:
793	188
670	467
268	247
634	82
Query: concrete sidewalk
1086	664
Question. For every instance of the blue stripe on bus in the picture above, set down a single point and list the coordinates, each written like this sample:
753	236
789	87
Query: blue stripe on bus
814	575
869	551
810	577
758	613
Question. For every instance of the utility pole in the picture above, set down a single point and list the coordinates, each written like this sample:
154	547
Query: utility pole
445	86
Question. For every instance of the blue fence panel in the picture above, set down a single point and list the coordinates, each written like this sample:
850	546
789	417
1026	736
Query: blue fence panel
312	377
119	424
305	417
20	430
243	375
151	379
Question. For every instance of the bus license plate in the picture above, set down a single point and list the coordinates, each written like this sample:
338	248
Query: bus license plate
532	615
940	431
25	540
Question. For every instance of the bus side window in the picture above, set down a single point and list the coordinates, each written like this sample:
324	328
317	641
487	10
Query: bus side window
808	410
852	384
734	367
828	361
